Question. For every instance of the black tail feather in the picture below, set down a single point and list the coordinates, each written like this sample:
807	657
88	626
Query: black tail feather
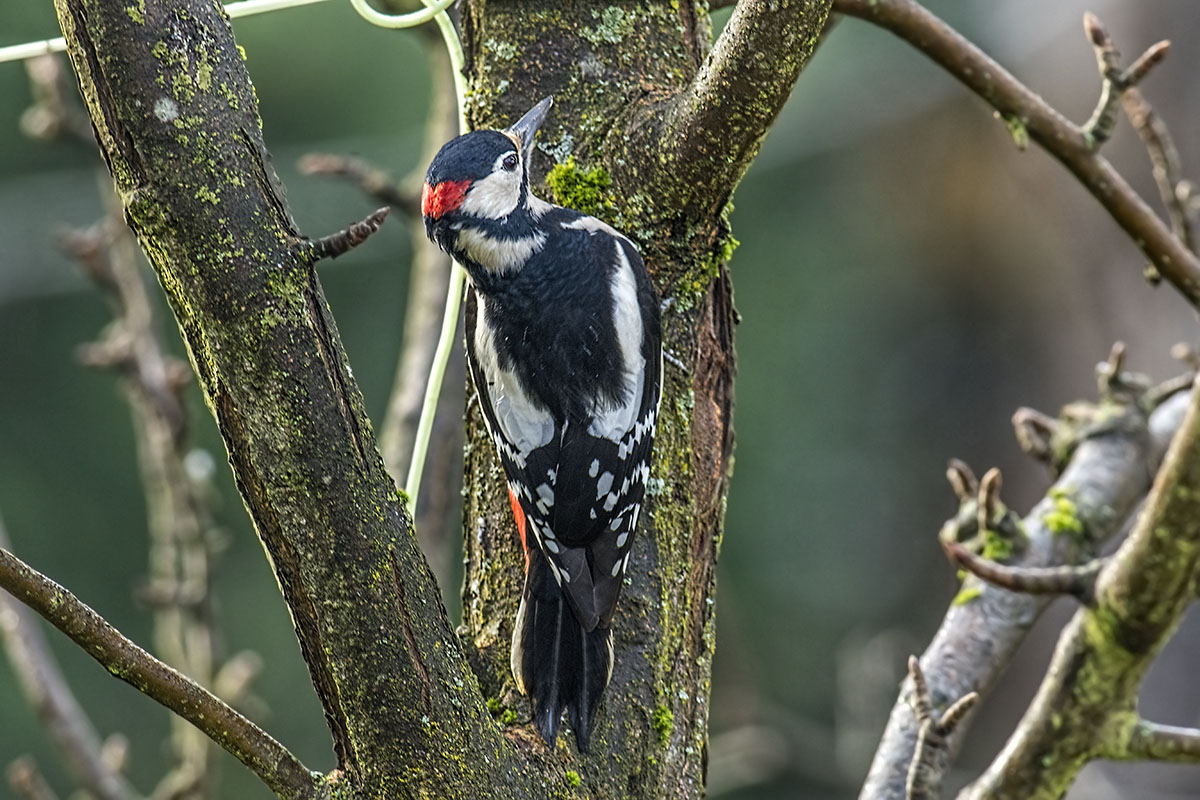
560	666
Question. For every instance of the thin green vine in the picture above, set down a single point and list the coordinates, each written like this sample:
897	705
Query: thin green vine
434	9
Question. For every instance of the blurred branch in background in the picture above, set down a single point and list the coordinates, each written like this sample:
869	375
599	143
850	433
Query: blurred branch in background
183	536
436	512
42	682
1030	117
268	759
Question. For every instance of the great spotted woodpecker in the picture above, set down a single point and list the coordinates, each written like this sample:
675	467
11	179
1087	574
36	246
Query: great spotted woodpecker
564	346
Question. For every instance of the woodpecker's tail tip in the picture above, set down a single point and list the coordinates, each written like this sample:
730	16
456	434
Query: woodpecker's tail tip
561	666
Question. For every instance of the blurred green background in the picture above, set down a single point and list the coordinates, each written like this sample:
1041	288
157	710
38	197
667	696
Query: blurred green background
907	278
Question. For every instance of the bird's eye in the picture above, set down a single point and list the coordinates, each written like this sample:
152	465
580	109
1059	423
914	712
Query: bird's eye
510	162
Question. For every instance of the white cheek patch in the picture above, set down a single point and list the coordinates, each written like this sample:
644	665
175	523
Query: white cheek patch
495	196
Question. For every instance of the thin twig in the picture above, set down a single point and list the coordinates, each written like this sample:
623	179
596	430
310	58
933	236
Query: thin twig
1077	581
42	681
1115	81
1062	139
268	759
932	754
1164	157
376	183
336	244
26	780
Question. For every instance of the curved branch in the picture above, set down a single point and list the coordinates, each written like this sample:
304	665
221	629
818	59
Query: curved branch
712	129
1065	141
42	680
278	768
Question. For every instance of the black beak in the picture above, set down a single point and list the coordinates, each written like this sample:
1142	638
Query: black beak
527	126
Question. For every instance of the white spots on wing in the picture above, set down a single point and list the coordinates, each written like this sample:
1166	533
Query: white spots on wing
622	539
495	196
616	523
497	253
604	484
540	505
551	545
592	513
524	425
546	494
616	568
552	474
549	534
594	468
610	502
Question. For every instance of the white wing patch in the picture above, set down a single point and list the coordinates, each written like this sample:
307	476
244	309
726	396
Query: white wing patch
523	425
614	423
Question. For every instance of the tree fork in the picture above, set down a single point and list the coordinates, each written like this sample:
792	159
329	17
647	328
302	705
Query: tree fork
612	69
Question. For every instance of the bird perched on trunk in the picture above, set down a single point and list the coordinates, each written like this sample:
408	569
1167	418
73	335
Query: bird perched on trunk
564	346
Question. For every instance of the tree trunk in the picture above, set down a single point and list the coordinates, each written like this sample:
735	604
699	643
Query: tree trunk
650	131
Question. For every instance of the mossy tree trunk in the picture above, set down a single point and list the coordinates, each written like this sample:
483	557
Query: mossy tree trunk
651	131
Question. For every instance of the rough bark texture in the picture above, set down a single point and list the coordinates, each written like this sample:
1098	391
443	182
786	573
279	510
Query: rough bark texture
650	131
177	123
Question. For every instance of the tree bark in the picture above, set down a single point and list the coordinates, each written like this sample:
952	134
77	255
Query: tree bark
651	131
177	123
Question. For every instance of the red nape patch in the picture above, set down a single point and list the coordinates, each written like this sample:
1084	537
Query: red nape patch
519	515
443	198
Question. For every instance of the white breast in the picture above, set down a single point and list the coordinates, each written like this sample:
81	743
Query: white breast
523	424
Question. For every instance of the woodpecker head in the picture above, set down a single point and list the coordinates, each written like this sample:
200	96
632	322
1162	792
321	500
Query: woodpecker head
479	179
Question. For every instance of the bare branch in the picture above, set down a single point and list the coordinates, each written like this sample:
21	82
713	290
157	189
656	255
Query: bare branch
42	681
1081	712
710	132
1101	484
1150	741
1164	157
376	183
336	244
1077	581
931	755
1062	139
1115	81
268	759
27	781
